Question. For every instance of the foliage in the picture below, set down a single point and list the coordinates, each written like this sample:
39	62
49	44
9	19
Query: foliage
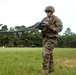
33	37
68	39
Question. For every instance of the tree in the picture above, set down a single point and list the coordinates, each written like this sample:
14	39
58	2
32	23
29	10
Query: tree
4	28
68	39
67	32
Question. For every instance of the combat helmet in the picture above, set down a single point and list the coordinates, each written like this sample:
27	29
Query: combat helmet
49	8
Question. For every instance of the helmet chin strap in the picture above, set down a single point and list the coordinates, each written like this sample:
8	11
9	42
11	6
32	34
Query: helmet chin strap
49	16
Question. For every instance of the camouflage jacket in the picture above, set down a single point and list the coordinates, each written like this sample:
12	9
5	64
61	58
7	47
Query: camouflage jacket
53	22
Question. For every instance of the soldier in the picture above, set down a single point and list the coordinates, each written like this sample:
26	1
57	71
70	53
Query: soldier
50	38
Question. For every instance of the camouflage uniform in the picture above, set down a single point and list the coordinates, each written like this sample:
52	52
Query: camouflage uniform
50	40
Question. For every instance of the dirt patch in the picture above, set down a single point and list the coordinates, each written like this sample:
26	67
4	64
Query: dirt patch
67	62
70	62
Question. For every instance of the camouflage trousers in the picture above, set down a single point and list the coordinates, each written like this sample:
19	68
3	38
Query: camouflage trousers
48	46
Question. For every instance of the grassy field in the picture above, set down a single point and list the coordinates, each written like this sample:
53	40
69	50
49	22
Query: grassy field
28	61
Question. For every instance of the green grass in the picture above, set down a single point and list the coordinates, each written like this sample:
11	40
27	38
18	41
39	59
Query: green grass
28	61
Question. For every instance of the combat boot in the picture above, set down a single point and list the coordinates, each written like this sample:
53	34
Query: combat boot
50	71
45	72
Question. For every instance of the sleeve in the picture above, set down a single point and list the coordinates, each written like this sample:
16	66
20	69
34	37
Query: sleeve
58	24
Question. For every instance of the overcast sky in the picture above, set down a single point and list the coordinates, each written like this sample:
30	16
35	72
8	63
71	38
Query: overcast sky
28	12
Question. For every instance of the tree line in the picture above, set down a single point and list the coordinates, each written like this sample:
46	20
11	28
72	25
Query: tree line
33	38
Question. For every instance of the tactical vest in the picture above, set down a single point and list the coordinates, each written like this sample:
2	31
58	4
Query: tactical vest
51	24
